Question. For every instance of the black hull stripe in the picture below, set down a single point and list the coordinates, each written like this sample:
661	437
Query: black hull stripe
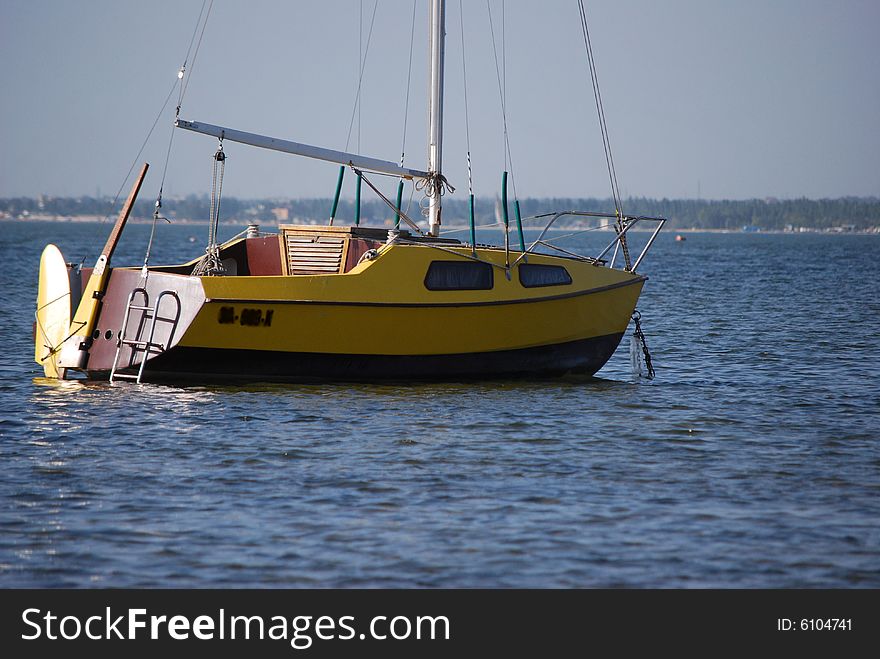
354	303
583	357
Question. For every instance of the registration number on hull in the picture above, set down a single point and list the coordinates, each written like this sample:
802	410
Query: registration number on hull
246	317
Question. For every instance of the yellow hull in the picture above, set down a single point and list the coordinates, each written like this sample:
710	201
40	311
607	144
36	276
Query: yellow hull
383	317
380	308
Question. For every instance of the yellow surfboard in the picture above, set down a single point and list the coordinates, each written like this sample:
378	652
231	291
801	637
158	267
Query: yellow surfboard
53	311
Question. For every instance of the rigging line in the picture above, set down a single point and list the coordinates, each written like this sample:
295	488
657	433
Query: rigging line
512	175
195	31
412	194
465	255
502	91
140	151
54	349
357	98
185	83
488	226
600	109
526	219
165	168
412	36
597	97
219	169
494	225
180	75
600	227
156	218
606	140
195	54
219	195
467	129
387	201
360	67
211	239
210	264
498	77
63	295
189	50
544	243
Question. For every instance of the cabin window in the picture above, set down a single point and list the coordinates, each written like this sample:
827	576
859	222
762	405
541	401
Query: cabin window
459	276
533	275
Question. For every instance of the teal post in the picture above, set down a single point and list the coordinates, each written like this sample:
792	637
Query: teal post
399	201
473	228
504	201
336	196
522	242
357	201
504	214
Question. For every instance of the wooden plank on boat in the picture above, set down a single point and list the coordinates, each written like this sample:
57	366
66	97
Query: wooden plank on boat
325	251
295	264
113	240
294	240
306	263
75	353
315	254
314	259
321	249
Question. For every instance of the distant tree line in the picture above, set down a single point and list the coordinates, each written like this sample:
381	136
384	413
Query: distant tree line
774	214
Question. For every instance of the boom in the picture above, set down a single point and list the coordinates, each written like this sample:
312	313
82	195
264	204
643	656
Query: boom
296	148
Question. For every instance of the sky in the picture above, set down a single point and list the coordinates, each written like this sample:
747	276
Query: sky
717	99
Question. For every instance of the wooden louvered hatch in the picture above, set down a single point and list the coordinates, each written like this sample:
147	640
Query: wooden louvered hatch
319	250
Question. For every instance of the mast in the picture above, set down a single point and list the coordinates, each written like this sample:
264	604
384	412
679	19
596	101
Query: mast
435	113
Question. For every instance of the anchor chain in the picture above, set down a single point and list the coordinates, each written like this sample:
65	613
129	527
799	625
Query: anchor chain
639	336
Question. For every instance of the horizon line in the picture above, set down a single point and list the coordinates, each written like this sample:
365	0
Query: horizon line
768	198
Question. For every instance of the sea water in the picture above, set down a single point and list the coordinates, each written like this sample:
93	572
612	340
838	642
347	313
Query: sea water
751	460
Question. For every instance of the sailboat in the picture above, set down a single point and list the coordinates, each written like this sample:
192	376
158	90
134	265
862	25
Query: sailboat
330	302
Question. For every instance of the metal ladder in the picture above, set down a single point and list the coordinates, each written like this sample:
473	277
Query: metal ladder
136	344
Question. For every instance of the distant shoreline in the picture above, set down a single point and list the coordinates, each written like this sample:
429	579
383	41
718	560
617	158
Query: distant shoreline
94	219
769	215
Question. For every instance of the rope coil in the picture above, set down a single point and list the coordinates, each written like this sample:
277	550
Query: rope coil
435	185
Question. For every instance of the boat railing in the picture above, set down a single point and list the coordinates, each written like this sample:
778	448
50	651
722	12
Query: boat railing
627	222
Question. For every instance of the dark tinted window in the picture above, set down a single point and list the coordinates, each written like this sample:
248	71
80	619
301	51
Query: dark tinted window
459	276
532	275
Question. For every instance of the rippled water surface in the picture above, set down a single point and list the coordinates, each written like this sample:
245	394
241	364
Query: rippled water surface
751	460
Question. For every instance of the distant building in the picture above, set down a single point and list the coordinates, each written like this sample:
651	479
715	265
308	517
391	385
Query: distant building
281	214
